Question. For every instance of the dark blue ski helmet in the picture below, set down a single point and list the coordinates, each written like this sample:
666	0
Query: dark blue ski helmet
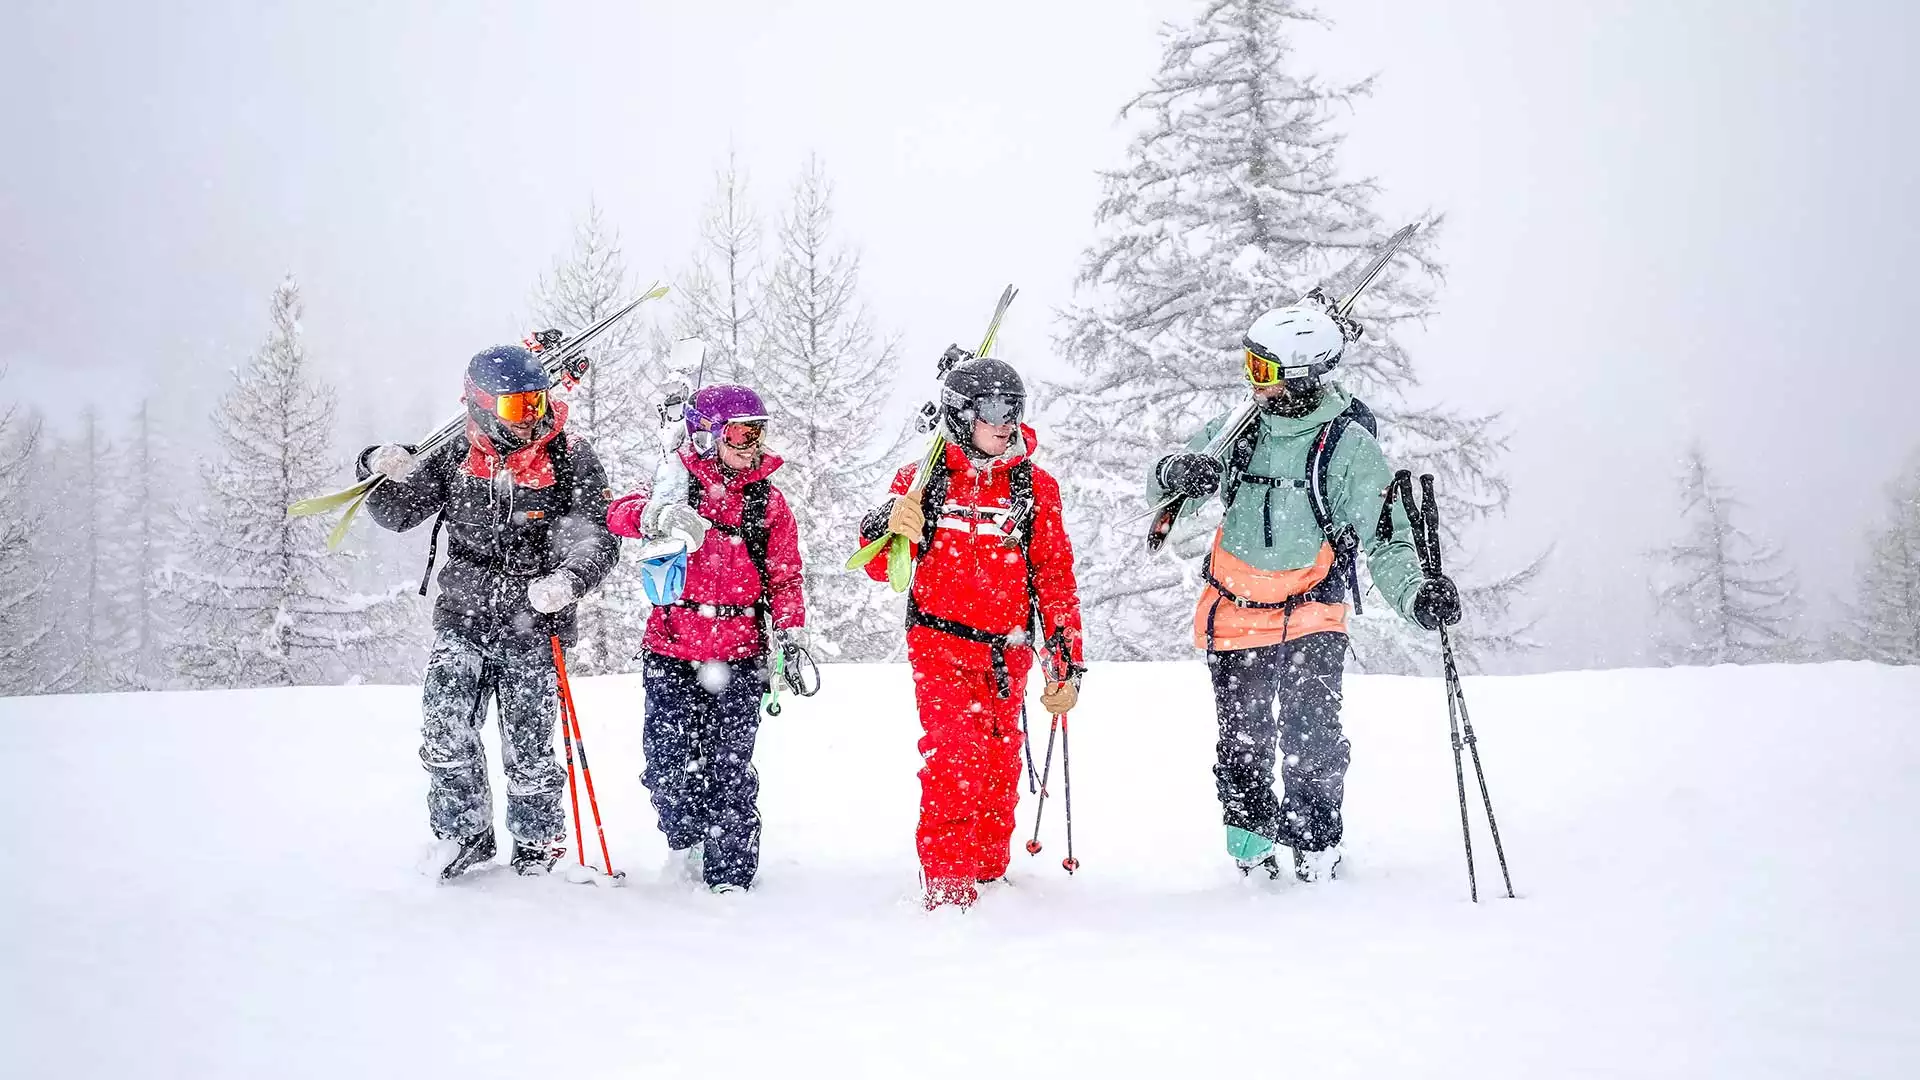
506	369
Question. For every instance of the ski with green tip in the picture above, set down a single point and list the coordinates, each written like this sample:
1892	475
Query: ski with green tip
899	548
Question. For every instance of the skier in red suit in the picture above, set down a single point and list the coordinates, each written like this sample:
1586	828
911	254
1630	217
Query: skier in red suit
993	563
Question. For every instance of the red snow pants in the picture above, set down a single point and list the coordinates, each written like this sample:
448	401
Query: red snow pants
970	754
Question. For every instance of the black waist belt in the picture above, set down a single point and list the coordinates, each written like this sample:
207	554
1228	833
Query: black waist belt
998	643
1285	606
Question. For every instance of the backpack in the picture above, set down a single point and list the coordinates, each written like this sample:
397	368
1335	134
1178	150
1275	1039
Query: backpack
563	478
1344	540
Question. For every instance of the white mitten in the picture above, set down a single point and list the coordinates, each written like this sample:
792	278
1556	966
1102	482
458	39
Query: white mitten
395	462
678	520
551	593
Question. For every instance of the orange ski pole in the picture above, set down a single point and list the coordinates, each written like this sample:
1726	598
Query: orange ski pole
571	716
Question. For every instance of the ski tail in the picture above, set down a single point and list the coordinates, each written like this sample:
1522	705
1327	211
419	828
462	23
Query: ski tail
1387	251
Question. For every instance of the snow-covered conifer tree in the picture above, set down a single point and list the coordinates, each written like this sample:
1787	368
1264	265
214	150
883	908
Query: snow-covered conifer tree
1883	622
1232	203
720	297
93	589
826	379
1722	595
23	624
612	407
263	602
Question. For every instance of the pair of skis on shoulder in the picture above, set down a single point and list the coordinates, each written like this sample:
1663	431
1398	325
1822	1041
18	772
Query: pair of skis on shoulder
565	361
900	548
1165	512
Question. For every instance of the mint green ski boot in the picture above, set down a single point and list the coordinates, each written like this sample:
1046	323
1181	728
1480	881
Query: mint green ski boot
1251	852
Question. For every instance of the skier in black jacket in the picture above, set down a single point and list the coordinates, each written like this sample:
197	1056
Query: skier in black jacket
525	509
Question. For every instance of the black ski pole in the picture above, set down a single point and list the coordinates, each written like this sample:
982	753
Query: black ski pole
1456	694
1070	864
1046	770
1026	747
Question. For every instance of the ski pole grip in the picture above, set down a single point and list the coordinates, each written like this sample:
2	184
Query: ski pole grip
1430	518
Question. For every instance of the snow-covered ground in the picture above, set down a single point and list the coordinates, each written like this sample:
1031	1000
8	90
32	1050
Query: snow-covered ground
1717	874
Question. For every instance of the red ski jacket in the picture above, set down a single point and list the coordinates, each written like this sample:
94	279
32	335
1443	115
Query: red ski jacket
974	575
722	573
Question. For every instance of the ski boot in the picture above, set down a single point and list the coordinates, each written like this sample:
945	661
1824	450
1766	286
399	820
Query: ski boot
685	866
531	859
474	850
1316	866
1251	852
950	892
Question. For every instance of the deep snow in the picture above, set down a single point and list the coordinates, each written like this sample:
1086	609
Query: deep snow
1716	870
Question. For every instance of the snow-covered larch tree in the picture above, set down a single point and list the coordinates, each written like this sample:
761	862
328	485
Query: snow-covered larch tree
612	408
721	295
263	602
827	377
1722	595
1232	203
1883	622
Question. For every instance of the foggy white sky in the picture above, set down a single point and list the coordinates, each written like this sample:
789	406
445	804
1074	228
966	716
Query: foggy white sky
1664	218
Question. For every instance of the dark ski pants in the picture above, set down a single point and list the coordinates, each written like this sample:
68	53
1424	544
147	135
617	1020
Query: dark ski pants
702	719
462	674
1284	697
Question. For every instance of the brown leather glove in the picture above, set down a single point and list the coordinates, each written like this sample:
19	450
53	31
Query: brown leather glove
905	519
1060	698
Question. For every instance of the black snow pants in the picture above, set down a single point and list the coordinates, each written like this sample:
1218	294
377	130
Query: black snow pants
462	673
1284	697
702	718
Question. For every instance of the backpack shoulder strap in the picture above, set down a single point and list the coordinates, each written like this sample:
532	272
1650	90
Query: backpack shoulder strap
1343	538
560	456
755	530
1025	512
1239	456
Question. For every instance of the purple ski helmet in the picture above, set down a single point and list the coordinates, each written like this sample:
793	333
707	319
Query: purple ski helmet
714	407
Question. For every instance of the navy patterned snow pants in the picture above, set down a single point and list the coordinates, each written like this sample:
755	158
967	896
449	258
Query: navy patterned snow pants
702	719
1304	677
462	674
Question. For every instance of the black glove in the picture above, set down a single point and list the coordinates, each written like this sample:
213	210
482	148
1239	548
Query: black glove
1193	475
1437	604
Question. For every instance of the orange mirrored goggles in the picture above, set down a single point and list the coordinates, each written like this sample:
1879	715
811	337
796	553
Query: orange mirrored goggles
742	435
1262	371
521	408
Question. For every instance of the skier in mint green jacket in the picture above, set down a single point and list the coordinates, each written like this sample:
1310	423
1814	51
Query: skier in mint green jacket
1304	491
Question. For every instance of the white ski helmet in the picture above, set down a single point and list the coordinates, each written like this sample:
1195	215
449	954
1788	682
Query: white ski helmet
1303	339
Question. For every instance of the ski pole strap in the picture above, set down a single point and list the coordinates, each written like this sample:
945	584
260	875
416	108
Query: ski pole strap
433	550
997	643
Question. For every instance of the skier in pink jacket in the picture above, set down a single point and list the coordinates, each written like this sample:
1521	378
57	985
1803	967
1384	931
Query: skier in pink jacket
707	654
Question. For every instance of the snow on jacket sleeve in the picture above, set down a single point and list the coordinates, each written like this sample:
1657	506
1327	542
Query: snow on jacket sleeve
623	514
784	590
1051	553
1358	476
399	505
585	548
875	522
